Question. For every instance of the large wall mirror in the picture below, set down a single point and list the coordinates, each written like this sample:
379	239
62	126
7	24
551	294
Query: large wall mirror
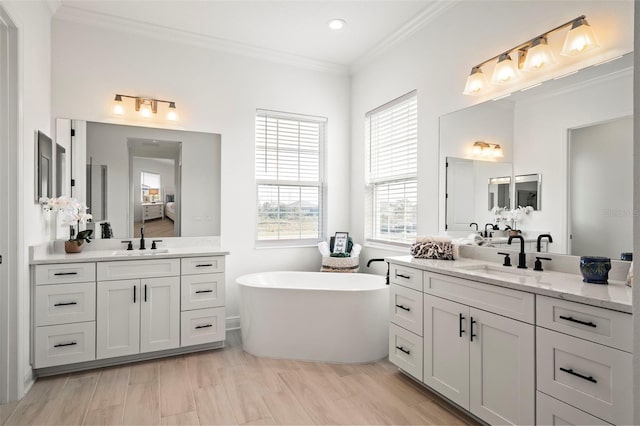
167	181
569	143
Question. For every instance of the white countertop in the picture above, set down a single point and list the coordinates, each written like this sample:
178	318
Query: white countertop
616	295
103	250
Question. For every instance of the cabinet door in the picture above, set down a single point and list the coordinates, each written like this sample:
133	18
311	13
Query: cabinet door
118	318
160	313
446	348
502	369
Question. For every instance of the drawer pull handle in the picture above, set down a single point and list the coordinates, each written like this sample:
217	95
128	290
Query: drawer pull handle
406	277
204	291
202	265
572	319
134	294
65	273
403	308
204	326
65	303
65	344
400	348
573	373
460	330
472	334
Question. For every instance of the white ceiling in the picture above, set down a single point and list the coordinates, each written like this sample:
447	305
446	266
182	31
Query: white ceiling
293	27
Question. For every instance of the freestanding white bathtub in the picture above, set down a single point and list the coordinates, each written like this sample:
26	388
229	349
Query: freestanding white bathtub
315	316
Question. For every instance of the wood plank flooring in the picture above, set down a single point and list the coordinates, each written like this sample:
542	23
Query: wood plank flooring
154	228
231	387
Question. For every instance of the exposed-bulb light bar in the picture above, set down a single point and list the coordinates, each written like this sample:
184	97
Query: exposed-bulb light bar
147	107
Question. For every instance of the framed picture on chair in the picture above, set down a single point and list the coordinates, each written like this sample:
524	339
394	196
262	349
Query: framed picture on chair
340	242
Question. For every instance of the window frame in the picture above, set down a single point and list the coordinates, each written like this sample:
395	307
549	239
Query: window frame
371	213
321	184
142	173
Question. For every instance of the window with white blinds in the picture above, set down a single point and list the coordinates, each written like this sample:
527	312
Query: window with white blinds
289	177
392	196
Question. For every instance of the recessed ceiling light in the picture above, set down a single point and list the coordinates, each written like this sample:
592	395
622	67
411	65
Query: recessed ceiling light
336	24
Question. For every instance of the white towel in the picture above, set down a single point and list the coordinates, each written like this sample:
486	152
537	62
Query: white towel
355	250
324	248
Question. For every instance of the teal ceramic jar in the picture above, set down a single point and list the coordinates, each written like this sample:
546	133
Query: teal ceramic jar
594	269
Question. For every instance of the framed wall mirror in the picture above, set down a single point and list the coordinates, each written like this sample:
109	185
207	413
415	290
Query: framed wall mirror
528	191
44	166
499	192
556	130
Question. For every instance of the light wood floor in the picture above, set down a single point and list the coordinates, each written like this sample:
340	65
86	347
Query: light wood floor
228	386
154	228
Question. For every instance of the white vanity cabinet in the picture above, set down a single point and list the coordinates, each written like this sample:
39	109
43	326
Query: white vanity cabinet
482	361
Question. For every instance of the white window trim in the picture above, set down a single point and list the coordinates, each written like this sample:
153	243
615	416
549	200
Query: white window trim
322	184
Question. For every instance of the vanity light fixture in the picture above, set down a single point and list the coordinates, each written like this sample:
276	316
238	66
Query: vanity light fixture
147	107
337	24
483	149
533	55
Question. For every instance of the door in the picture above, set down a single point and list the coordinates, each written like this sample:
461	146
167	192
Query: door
502	369
118	318
159	314
446	348
461	194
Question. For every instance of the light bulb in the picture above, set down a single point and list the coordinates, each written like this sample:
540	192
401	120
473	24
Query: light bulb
145	110
580	38
337	24
476	82
118	108
497	151
172	114
505	70
538	55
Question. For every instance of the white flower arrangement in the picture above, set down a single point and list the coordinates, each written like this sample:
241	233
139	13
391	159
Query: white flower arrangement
502	214
71	210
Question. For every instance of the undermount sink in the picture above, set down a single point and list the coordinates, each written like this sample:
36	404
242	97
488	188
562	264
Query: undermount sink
148	252
500	271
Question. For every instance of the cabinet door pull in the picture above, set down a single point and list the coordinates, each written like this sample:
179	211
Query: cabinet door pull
134	294
204	291
400	348
202	265
406	277
65	303
460	330
403	308
145	292
203	326
65	273
572	319
573	373
59	345
472	334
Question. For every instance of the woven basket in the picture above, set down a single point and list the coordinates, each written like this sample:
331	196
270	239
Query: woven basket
340	264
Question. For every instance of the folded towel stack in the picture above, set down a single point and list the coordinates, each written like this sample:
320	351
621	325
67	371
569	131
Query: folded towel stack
434	247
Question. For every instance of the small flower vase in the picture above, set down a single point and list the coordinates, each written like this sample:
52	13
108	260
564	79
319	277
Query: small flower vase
514	232
73	246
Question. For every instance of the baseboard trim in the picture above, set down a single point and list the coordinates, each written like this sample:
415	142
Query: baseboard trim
232	323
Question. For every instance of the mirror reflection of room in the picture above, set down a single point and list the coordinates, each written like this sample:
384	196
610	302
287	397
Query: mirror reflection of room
154	197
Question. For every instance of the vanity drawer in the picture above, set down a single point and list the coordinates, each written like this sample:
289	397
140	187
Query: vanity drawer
65	303
202	265
129	269
202	291
65	273
202	326
405	350
404	276
510	303
589	376
406	308
611	328
550	411
65	344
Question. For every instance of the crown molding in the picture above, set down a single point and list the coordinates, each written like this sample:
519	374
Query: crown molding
131	26
418	22
53	6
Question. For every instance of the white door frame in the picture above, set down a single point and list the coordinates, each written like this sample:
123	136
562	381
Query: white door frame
11	379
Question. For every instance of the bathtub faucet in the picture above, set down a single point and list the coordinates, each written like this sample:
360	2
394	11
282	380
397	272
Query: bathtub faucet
379	260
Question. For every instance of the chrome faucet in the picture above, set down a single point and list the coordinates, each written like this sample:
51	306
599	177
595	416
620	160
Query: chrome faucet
142	247
540	237
522	257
